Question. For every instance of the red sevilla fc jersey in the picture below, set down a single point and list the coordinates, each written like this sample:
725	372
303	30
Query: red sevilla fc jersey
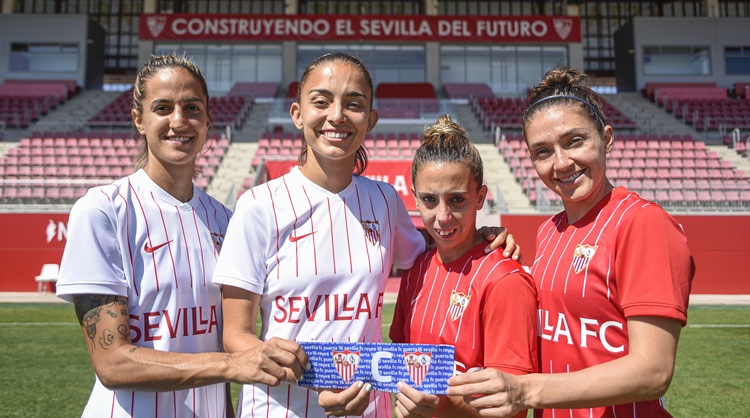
626	257
483	304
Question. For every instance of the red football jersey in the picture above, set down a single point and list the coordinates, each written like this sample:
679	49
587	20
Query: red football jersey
626	257
483	304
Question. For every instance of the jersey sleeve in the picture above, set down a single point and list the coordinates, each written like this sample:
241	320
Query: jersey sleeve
92	258
402	312
242	261
654	266
409	243
509	325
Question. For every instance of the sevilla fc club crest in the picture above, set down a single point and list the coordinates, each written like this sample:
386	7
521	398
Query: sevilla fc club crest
582	256
372	231
563	27
417	364
156	25
459	302
346	363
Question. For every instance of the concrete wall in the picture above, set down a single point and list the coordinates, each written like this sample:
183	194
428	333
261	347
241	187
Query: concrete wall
703	31
41	28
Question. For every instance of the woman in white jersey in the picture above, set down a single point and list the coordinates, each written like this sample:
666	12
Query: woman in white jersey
613	274
312	249
138	266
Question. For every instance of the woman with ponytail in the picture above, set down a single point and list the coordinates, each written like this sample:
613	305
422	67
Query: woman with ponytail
482	303
302	245
613	274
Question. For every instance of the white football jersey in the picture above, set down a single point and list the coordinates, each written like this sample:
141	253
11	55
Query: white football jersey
320	262
133	239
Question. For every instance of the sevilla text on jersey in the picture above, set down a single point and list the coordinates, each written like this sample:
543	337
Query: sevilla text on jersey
330	307
183	322
558	328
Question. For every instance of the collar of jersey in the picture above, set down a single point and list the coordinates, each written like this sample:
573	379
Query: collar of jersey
145	182
310	184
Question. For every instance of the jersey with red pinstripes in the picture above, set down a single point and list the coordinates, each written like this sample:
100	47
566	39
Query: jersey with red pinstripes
482	304
627	257
320	262
133	239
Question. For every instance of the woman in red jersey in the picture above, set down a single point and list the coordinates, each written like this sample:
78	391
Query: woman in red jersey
483	304
613	274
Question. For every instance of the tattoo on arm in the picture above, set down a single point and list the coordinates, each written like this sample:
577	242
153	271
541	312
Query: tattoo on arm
89	309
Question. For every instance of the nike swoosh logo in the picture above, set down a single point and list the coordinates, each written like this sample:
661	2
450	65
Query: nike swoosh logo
292	238
156	247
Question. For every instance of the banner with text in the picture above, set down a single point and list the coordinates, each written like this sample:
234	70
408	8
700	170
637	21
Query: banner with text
28	241
259	28
397	173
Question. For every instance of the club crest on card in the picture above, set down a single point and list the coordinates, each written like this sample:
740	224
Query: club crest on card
346	363
417	364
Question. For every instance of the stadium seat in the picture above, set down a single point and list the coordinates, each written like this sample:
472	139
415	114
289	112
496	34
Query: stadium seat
48	275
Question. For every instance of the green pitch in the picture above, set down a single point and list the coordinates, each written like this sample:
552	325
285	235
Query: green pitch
45	370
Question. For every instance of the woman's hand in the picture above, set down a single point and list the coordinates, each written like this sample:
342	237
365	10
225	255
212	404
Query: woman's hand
499	235
413	403
490	391
351	401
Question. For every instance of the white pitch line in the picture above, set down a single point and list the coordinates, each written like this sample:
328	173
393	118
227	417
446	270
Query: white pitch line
36	324
49	324
718	325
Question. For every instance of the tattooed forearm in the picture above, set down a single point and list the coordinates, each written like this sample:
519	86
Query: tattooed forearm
123	330
107	339
89	309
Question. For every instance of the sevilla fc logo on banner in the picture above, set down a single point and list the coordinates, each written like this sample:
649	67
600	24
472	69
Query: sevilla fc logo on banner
372	231
346	363
156	25
459	302
563	27
417	364
582	256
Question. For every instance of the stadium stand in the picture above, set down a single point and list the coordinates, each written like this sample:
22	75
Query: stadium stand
255	90
742	90
507	113
291	92
71	85
227	111
117	113
650	90
679	173
704	107
285	146
23	102
406	100
467	90
59	169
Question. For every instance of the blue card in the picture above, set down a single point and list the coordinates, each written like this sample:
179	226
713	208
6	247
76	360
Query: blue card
336	365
